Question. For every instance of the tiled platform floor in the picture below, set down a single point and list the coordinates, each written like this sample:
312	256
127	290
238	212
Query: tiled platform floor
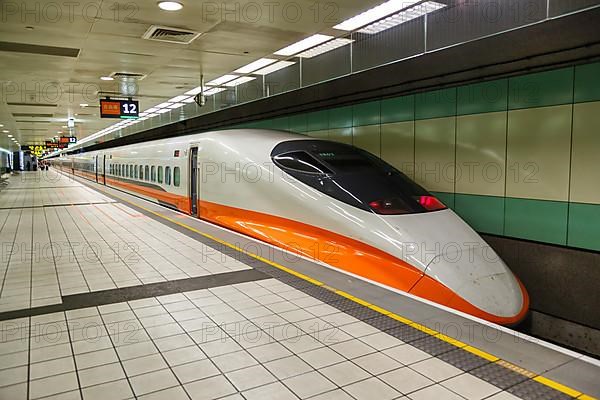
56	250
272	337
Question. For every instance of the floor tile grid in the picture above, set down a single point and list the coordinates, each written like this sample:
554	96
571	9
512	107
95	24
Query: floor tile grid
71	275
146	241
188	248
17	277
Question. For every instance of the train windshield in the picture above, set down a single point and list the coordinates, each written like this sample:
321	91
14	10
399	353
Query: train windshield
353	176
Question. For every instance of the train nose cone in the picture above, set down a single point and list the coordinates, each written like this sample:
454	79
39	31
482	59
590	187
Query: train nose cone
477	276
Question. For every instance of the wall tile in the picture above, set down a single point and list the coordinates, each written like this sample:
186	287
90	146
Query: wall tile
539	141
482	97
340	117
398	109
434	153
435	104
366	113
584	226
481	153
322	134
398	145
587	82
543	221
343	135
483	213
298	123
585	165
367	138
318	120
541	89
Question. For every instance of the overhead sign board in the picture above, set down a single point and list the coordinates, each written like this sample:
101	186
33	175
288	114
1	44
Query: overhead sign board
123	109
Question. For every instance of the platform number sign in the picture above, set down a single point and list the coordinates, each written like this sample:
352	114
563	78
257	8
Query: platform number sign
123	109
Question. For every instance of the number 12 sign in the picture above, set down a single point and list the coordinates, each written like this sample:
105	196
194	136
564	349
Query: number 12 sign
124	109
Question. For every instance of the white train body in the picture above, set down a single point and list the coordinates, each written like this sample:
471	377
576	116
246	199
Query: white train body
308	196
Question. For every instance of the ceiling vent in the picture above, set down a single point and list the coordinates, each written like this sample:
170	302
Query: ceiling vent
170	34
127	75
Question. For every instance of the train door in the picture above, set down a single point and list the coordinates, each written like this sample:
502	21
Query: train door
96	167
194	180
104	169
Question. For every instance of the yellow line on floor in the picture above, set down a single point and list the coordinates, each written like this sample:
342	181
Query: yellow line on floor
490	357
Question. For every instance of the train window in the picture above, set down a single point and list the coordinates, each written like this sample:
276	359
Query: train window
176	177
141	172
135	171
131	171
147	172
167	175
300	161
153	173
160	174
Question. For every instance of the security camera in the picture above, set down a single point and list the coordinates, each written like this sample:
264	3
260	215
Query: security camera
200	99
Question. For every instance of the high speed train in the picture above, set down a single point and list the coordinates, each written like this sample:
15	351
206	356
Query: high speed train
324	200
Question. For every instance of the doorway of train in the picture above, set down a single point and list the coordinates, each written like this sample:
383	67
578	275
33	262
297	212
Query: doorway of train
104	169
193	163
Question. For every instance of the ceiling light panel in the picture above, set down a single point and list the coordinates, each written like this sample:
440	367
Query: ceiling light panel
239	81
162	105
221	80
402	17
325	47
274	67
176	105
177	99
255	65
302	45
212	91
374	14
194	91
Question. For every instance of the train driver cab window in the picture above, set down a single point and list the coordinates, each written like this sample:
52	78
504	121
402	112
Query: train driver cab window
147	172
160	174
141	172
167	175
301	161
176	176
153	173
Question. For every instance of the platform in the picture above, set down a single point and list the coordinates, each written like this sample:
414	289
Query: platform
105	295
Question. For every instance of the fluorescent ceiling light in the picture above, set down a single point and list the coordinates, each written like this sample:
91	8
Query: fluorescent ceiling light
194	91
152	115
177	99
176	105
302	45
239	81
221	80
274	67
325	47
163	110
374	14
107	78
151	110
163	105
212	91
403	16
170	5
189	100
143	113
253	66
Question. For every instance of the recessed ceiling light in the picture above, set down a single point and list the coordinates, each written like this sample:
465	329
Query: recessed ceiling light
1	126
403	16
5	131
9	135
107	78
374	14
83	105
221	80
177	99
239	81
303	44
325	47
170	5
253	66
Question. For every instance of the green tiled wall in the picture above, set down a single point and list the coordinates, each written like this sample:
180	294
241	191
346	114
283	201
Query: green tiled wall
516	156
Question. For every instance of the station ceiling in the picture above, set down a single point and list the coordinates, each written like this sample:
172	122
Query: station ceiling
53	54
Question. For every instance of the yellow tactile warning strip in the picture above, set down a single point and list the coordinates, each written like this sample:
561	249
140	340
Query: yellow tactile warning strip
490	357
